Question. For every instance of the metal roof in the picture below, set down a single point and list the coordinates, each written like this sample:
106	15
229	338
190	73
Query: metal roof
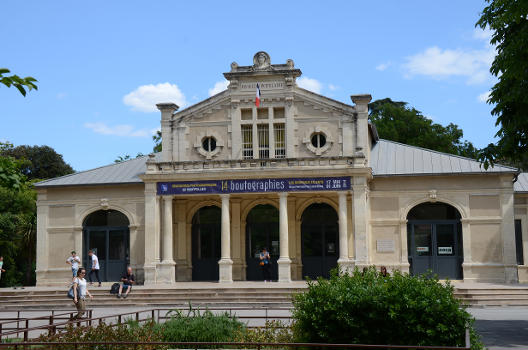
521	185
389	158
119	173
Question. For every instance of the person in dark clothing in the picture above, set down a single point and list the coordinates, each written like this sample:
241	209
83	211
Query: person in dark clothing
265	264
127	280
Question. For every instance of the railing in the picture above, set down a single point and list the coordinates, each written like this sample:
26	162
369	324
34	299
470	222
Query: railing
209	345
22	324
156	314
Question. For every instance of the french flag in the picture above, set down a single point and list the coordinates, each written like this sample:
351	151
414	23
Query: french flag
257	98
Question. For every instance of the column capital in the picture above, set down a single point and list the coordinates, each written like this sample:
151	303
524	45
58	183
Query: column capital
167	197
225	195
283	194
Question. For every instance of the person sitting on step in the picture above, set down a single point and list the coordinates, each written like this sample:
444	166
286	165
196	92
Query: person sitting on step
127	280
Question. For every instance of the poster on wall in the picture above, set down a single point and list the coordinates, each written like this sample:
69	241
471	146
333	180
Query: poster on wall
254	185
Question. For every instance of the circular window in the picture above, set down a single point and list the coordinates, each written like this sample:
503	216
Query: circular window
209	143
318	140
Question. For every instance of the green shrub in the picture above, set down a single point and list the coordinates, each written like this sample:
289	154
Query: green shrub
272	332
146	332
197	326
367	308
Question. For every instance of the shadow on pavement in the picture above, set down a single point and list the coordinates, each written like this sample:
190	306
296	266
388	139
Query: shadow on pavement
503	333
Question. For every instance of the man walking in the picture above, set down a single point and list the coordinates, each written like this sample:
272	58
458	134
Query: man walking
94	268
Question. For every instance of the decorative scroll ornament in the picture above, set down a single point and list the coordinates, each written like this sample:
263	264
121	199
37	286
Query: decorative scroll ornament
104	203
432	195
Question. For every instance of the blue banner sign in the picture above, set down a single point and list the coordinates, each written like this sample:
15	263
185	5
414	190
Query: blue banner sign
255	185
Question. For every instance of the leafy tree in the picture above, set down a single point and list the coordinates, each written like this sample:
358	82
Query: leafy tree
397	122
508	19
157	142
20	83
17	222
127	157
43	162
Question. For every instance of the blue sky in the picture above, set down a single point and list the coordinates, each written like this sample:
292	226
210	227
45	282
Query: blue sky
102	65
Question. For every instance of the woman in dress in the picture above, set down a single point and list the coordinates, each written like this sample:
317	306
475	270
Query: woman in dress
79	293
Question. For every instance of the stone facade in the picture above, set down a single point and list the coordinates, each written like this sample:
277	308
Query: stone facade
293	134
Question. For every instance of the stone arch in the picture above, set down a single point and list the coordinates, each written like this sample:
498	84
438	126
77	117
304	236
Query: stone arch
436	242
90	210
317	199
253	204
200	205
405	210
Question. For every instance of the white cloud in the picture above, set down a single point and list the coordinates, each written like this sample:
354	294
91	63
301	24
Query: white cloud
483	34
310	84
382	66
61	95
218	87
333	87
438	63
119	130
145	97
484	97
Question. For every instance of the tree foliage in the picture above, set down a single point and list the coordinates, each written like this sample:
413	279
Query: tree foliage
39	162
20	83
157	142
20	167
126	157
17	222
395	121
508	20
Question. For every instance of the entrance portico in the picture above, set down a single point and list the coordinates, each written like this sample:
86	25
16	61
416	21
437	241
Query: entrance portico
234	257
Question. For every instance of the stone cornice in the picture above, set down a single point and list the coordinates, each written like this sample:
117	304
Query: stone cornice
214	169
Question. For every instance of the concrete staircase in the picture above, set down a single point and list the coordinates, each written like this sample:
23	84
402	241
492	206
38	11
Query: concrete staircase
212	296
498	295
238	294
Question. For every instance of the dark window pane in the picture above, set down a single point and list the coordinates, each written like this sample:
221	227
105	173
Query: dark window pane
519	242
117	245
422	239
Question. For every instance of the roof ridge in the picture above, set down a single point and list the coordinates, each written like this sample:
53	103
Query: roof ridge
85	171
443	153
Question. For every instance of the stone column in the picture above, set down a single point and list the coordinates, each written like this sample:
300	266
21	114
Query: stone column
167	109
360	221
284	258
42	237
151	228
167	266
343	261
404	259
225	263
508	235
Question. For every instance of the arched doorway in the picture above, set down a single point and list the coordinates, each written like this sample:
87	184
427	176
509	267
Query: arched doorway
320	240
434	240
106	233
262	230
206	235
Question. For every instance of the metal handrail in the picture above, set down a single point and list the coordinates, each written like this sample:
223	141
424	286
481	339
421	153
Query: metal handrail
155	314
200	345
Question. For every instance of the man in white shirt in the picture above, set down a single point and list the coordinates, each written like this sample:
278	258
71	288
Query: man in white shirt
74	261
94	268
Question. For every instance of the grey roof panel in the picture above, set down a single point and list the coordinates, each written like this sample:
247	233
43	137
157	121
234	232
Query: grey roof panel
421	161
521	185
119	173
388	158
